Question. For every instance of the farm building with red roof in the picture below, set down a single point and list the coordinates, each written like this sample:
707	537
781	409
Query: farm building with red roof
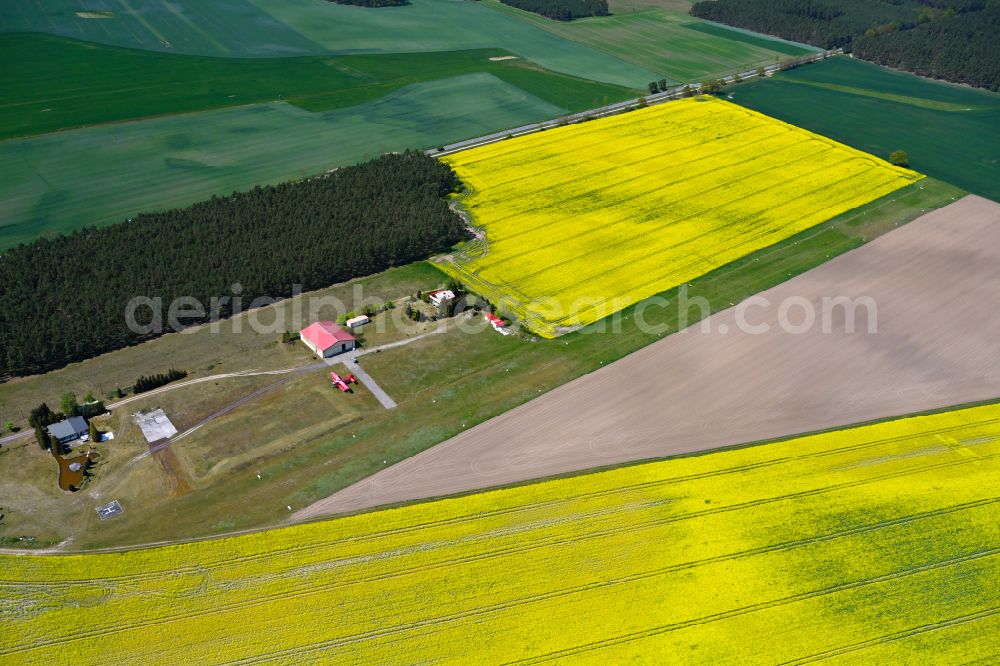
326	339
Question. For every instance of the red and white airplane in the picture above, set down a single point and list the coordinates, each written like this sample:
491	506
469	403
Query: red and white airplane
340	383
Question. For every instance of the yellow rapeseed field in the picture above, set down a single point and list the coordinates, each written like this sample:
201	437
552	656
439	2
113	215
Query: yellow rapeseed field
879	544
584	220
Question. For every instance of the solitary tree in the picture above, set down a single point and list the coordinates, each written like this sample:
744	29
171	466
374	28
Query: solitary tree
712	87
652	87
899	158
95	435
69	404
42	416
662	85
10	426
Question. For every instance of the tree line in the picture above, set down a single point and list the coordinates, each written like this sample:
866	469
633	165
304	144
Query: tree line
373	3
964	48
562	10
955	40
150	382
64	298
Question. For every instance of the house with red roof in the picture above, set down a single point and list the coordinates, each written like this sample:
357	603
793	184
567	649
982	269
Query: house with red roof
326	339
439	296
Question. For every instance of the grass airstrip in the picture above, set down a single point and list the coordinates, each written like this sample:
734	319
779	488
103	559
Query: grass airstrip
873	544
440	394
582	221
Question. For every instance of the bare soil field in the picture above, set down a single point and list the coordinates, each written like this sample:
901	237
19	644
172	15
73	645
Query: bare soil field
936	285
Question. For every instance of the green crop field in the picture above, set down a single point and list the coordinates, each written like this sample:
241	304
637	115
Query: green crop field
772	44
62	181
950	132
245	28
225	28
676	46
623	6
68	83
446	25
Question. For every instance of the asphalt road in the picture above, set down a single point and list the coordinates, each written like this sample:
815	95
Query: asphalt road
609	110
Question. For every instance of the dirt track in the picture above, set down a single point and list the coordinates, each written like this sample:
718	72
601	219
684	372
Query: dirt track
936	283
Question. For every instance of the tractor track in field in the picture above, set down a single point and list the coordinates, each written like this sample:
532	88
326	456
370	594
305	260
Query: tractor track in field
618	490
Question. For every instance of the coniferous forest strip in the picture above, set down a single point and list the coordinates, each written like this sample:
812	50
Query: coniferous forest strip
956	40
64	298
373	3
562	10
962	49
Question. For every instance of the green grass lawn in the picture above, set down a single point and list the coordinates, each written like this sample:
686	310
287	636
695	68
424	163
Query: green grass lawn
270	28
63	83
670	43
950	132
443	384
62	181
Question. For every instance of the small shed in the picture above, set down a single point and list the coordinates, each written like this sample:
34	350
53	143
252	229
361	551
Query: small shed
360	320
326	339
75	427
